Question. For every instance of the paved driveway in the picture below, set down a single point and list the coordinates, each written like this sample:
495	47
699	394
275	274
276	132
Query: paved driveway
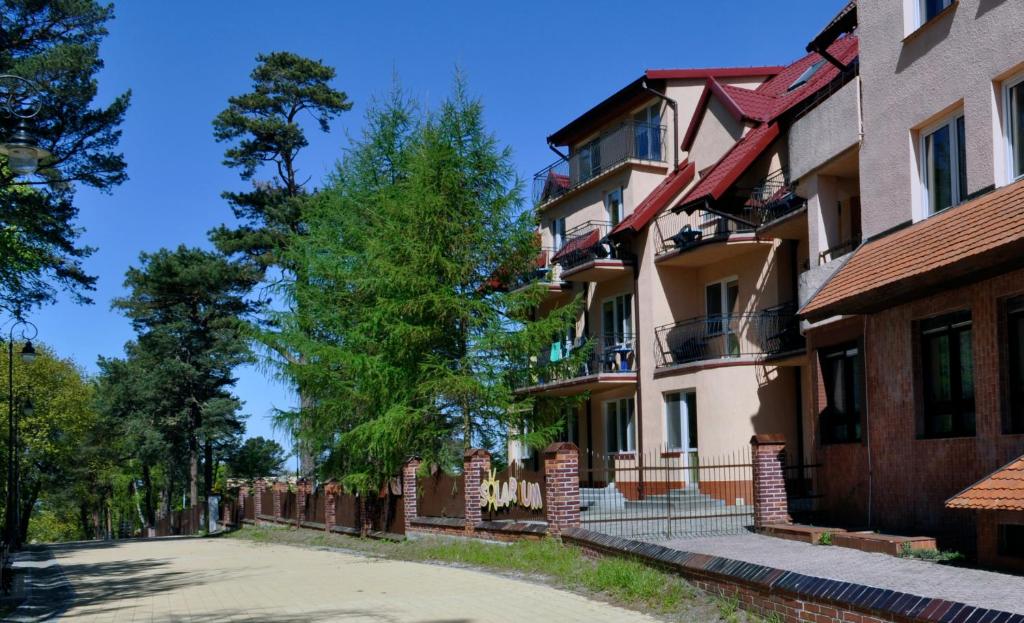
229	580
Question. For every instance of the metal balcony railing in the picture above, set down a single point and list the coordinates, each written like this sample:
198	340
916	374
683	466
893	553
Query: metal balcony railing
543	270
679	230
611	354
838	250
768	332
586	242
629	141
771	199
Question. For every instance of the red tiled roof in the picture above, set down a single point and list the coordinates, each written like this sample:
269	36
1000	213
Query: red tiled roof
1003	489
740	156
763	105
579	243
955	245
659	198
717	72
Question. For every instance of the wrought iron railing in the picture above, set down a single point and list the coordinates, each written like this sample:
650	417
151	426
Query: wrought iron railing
610	354
773	198
679	230
542	270
584	243
629	141
770	331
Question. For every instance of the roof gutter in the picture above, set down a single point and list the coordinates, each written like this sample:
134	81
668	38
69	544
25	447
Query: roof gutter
675	118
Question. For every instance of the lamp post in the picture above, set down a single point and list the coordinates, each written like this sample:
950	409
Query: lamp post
20	100
25	331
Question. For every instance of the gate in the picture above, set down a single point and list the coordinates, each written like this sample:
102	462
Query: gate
666	494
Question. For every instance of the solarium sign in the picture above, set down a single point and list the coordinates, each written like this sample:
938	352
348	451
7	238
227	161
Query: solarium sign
497	495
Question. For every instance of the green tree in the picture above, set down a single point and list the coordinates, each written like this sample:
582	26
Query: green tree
55	43
53	432
256	457
264	129
407	346
189	308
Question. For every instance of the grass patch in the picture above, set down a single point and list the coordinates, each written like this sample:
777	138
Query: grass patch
623	582
931	555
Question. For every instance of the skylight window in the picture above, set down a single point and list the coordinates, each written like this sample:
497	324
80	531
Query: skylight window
807	75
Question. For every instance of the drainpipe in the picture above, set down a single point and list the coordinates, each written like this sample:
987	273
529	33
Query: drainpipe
867	411
675	119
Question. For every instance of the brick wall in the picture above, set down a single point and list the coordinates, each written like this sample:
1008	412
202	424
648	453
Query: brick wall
409	494
260	486
474	462
770	501
911	478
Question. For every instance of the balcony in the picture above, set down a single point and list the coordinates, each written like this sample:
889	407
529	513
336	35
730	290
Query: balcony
630	141
546	273
609	364
702	238
587	255
770	334
775	208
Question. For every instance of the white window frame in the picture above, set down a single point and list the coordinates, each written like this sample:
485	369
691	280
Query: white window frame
684	420
627	445
557	233
627	332
1008	85
615	192
957	193
723	300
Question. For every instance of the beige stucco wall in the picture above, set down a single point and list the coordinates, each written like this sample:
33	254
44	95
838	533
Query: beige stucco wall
826	131
717	133
958	59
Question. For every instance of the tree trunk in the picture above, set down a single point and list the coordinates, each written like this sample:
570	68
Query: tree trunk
83	520
207	481
28	503
193	457
306	462
147	482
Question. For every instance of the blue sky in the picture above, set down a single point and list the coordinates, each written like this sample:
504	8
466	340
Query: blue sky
536	65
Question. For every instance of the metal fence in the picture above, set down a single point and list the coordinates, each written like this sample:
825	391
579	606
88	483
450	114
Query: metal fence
679	230
667	494
770	331
629	141
610	354
586	242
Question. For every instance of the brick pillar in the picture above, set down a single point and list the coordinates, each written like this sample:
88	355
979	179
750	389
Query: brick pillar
409	493
562	486
770	502
279	488
261	486
474	461
365	519
303	488
243	500
330	508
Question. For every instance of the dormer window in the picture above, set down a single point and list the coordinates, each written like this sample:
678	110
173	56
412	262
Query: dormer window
806	75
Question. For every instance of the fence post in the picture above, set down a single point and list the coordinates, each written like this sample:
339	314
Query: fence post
770	502
302	490
365	520
278	487
562	486
409	499
330	505
257	502
243	499
473	461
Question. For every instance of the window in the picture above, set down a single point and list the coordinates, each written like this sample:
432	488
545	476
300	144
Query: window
947	371
613	206
842	371
1015	377
1014	106
721	300
1011	540
620	425
589	158
558	233
647	133
617	320
944	165
806	75
681	421
931	8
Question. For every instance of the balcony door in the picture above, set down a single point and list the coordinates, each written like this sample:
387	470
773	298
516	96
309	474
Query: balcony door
617	321
721	300
647	133
681	431
613	206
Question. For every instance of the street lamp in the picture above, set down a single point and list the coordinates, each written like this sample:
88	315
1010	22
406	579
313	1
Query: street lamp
21	100
26	331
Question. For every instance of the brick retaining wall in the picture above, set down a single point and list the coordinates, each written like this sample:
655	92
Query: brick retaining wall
793	597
